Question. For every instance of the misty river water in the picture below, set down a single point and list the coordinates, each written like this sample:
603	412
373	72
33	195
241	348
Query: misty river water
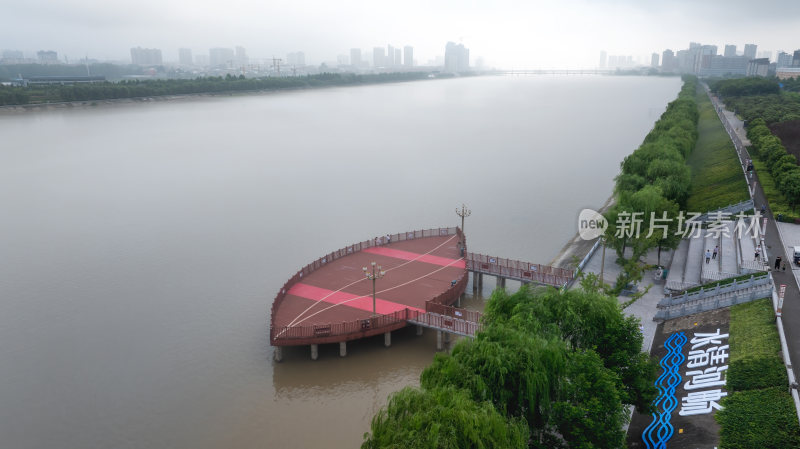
141	245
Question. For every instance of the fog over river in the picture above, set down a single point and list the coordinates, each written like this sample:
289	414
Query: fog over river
141	245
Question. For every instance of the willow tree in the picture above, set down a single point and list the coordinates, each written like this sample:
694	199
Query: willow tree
444	418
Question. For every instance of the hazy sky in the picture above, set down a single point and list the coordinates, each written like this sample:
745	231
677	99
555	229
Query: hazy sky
507	33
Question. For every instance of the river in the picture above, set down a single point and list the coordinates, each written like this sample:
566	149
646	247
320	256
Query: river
141	244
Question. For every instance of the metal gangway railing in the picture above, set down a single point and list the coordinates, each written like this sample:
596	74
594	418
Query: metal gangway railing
450	319
518	270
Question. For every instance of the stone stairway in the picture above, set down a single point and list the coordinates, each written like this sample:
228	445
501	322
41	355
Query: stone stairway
729	258
677	267
736	248
694	261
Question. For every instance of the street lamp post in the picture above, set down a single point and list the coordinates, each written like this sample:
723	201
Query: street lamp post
374	275
464	212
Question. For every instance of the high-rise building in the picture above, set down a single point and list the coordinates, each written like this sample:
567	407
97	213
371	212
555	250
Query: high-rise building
654	60
730	51
185	56
221	57
784	59
456	57
355	57
603	59
12	54
667	60
378	57
796	59
296	59
758	67
389	56
750	51
241	57
48	56
408	56
146	56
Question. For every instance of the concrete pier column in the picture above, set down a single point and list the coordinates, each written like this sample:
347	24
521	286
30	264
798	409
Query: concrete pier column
501	282
387	339
439	340
342	348
314	352
480	281
419	330
447	337
278	354
458	301
474	281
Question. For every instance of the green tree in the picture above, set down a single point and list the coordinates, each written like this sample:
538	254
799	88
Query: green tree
444	418
791	188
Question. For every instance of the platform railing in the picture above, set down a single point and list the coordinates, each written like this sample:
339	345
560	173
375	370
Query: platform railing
472	316
355	327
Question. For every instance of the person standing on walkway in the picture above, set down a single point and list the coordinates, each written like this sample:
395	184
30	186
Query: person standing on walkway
758	251
777	262
716	250
708	256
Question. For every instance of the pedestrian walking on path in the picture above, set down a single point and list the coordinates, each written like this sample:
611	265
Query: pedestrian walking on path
708	256
777	262
716	250
757	253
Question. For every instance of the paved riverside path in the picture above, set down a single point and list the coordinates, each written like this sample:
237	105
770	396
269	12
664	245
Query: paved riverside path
775	247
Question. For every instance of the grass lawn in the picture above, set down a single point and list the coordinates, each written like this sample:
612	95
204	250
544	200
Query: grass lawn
717	179
759	411
753	331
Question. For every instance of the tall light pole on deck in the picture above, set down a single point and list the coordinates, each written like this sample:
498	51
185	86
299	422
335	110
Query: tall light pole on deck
463	212
376	274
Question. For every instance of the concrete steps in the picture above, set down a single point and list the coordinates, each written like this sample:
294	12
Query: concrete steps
728	255
694	261
677	267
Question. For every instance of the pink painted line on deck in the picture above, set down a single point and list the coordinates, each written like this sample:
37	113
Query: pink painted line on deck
405	255
382	306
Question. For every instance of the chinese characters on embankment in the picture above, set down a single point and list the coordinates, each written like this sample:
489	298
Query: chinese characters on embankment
691	383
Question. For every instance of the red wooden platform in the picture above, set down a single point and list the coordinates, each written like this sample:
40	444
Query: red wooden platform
330	300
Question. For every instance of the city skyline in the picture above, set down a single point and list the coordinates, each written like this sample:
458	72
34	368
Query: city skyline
507	34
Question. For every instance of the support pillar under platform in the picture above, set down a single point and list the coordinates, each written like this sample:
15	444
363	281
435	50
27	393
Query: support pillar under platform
439	345
342	348
278	354
419	330
314	352
387	339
